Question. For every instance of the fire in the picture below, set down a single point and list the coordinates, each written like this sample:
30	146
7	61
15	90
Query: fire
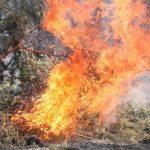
111	47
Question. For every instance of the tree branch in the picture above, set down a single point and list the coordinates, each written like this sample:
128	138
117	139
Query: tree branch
10	51
39	52
20	47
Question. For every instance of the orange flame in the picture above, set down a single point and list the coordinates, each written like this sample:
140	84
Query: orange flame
111	45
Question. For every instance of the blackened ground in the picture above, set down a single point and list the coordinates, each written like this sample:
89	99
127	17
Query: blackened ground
90	147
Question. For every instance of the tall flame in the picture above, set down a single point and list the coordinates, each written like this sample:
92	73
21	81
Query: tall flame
111	47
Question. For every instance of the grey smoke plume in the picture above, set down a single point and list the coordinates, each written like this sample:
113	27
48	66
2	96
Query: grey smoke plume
139	94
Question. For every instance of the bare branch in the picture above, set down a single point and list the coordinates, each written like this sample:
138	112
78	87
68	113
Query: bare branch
20	47
10	51
39	52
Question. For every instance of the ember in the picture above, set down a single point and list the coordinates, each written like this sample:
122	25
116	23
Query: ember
111	47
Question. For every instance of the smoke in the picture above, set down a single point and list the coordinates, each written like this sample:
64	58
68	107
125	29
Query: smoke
139	93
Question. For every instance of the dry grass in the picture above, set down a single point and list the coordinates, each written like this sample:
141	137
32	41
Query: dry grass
131	127
10	136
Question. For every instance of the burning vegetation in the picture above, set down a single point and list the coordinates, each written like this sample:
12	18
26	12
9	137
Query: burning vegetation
110	44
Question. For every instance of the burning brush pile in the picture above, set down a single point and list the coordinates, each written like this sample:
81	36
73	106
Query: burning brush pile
110	44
